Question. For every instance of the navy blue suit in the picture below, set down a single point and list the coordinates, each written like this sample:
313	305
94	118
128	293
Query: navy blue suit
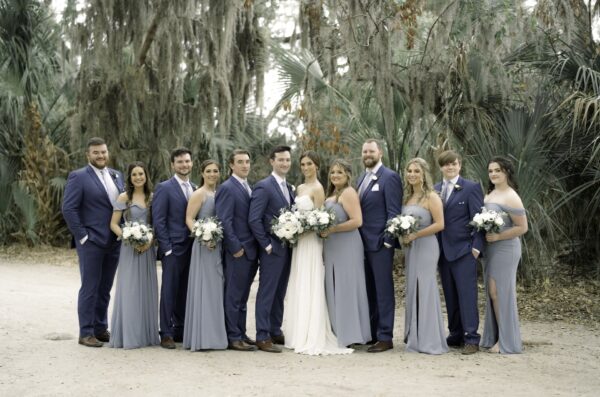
380	201
169	206
87	211
266	203
458	267
232	202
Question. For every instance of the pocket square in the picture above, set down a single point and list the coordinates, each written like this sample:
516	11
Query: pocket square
375	187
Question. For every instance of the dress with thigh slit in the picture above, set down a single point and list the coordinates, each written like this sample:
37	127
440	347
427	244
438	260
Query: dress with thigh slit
423	322
500	262
345	285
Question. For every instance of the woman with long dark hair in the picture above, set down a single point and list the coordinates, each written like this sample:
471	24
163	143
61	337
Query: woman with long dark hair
204	326
501	331
135	310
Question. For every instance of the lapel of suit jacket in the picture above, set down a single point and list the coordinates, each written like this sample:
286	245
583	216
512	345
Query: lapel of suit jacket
99	184
239	186
454	192
291	192
278	189
177	188
373	181
117	181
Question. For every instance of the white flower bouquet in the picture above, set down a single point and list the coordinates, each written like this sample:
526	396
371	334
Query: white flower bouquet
208	231
136	234
402	225
288	226
318	220
488	220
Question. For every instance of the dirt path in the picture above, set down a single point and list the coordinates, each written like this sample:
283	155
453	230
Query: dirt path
38	301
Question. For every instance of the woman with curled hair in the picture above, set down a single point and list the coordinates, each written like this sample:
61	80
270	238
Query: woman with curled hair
423	323
501	333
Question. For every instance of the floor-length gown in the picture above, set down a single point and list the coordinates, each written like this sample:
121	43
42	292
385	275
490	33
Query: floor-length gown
135	308
423	322
345	285
306	321
204	326
500	261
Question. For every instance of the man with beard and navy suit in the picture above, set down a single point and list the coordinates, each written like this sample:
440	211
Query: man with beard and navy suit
169	206
380	193
269	196
460	246
87	208
232	203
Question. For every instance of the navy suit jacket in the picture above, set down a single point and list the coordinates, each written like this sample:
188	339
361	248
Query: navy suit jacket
87	208
458	237
169	206
266	202
232	203
380	202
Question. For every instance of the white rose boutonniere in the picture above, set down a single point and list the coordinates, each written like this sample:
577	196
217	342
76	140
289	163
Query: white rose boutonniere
292	187
457	187
374	177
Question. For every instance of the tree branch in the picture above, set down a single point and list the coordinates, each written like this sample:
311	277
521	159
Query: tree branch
151	33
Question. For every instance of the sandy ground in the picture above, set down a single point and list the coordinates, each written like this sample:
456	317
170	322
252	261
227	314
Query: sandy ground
38	304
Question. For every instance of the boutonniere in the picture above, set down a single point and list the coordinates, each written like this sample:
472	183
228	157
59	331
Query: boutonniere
292	188
374	177
457	187
113	175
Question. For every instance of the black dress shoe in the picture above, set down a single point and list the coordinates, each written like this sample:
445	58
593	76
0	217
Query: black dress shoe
167	342
248	341
267	346
380	346
240	346
90	341
178	338
278	339
453	343
104	336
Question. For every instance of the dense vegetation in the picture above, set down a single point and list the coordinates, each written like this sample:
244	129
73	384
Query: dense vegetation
482	77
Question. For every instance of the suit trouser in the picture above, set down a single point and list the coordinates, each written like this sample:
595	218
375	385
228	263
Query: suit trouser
173	292
274	275
97	267
459	281
239	275
380	292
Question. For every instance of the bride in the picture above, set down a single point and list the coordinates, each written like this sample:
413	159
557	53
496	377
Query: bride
306	323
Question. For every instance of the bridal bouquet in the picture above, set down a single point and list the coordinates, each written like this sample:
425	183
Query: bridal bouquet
318	220
402	225
288	226
208	231
488	220
136	234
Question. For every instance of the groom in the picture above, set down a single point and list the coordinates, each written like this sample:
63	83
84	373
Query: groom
460	246
87	208
269	196
380	192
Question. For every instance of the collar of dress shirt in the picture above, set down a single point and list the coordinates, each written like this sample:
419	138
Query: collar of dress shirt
278	178
240	180
181	180
453	180
97	170
376	168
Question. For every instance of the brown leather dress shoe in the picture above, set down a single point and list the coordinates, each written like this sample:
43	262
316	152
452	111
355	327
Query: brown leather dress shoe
90	341
470	349
241	346
167	342
278	340
267	346
104	336
380	346
248	341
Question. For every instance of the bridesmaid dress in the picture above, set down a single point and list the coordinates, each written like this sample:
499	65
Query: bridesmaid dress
135	309
423	322
204	326
345	285
500	261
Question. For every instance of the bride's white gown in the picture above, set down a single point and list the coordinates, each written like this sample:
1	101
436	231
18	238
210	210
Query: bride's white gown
306	321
